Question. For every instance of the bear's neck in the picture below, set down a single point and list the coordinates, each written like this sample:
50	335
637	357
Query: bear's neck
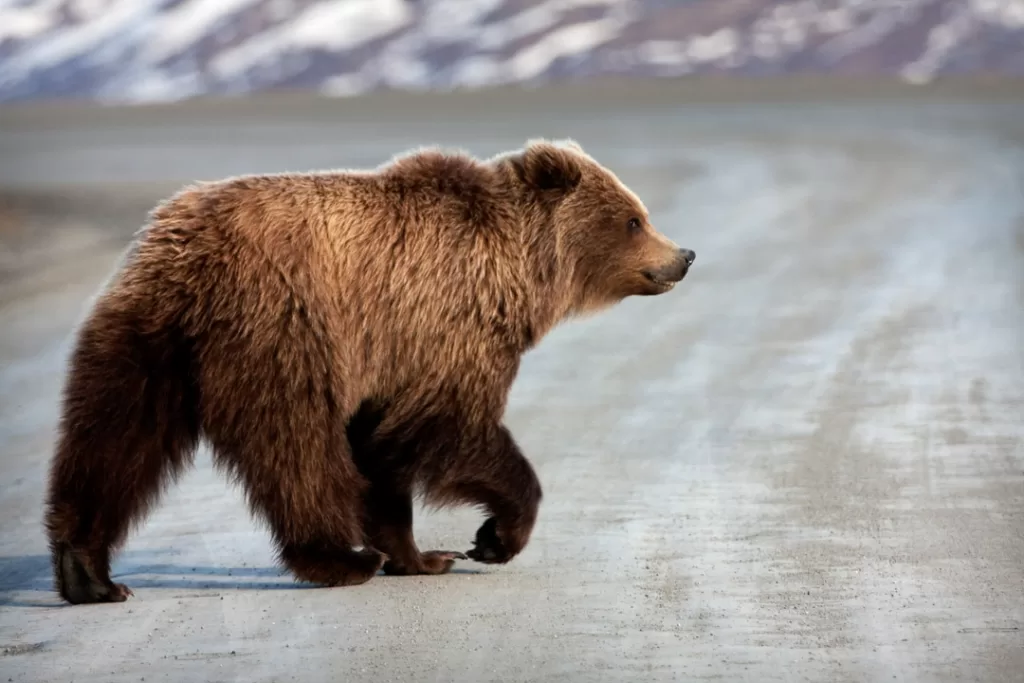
546	281
538	299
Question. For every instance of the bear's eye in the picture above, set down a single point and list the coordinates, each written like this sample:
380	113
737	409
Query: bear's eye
634	225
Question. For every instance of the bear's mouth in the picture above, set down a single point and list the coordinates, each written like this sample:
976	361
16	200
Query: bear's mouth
660	282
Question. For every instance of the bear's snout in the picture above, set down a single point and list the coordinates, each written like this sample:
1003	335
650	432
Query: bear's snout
674	271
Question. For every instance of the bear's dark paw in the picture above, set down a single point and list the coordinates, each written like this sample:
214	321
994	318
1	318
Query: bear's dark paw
488	546
111	592
78	583
119	592
357	568
431	562
333	566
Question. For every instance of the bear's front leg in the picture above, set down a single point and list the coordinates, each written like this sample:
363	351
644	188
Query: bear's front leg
494	473
390	516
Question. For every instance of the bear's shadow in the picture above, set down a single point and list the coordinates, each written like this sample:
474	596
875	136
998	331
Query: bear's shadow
143	569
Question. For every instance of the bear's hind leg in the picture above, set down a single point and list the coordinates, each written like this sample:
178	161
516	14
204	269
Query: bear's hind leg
129	427
314	514
327	563
303	483
314	519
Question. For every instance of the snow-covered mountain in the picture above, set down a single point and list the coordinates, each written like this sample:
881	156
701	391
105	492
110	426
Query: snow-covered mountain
150	50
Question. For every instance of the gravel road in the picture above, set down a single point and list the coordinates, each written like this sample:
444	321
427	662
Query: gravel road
807	463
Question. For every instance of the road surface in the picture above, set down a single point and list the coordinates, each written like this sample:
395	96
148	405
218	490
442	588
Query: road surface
806	463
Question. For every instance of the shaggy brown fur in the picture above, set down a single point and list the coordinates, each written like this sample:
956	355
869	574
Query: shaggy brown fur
342	340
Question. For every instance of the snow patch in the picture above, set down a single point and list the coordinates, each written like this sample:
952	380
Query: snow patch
81	40
23	23
333	26
183	25
140	50
571	40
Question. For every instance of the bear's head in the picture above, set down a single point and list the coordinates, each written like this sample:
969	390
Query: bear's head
605	246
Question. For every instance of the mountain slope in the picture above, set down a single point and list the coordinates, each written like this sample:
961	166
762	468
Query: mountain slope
146	50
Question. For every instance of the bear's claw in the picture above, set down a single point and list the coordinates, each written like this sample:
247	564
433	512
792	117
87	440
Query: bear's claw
121	593
429	562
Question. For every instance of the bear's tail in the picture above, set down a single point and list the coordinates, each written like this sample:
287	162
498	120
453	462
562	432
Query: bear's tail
129	426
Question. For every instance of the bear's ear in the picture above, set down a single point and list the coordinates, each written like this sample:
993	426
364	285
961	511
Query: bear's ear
548	167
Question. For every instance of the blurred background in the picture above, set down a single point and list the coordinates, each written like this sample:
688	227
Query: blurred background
805	462
159	50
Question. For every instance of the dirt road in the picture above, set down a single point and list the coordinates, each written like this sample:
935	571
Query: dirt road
807	463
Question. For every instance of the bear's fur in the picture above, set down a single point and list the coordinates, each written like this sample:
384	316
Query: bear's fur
341	340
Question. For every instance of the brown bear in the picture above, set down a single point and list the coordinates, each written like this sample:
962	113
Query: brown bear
342	341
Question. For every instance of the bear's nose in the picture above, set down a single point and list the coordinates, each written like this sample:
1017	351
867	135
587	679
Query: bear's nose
689	255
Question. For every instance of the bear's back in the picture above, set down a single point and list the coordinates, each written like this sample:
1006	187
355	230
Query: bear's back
407	261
